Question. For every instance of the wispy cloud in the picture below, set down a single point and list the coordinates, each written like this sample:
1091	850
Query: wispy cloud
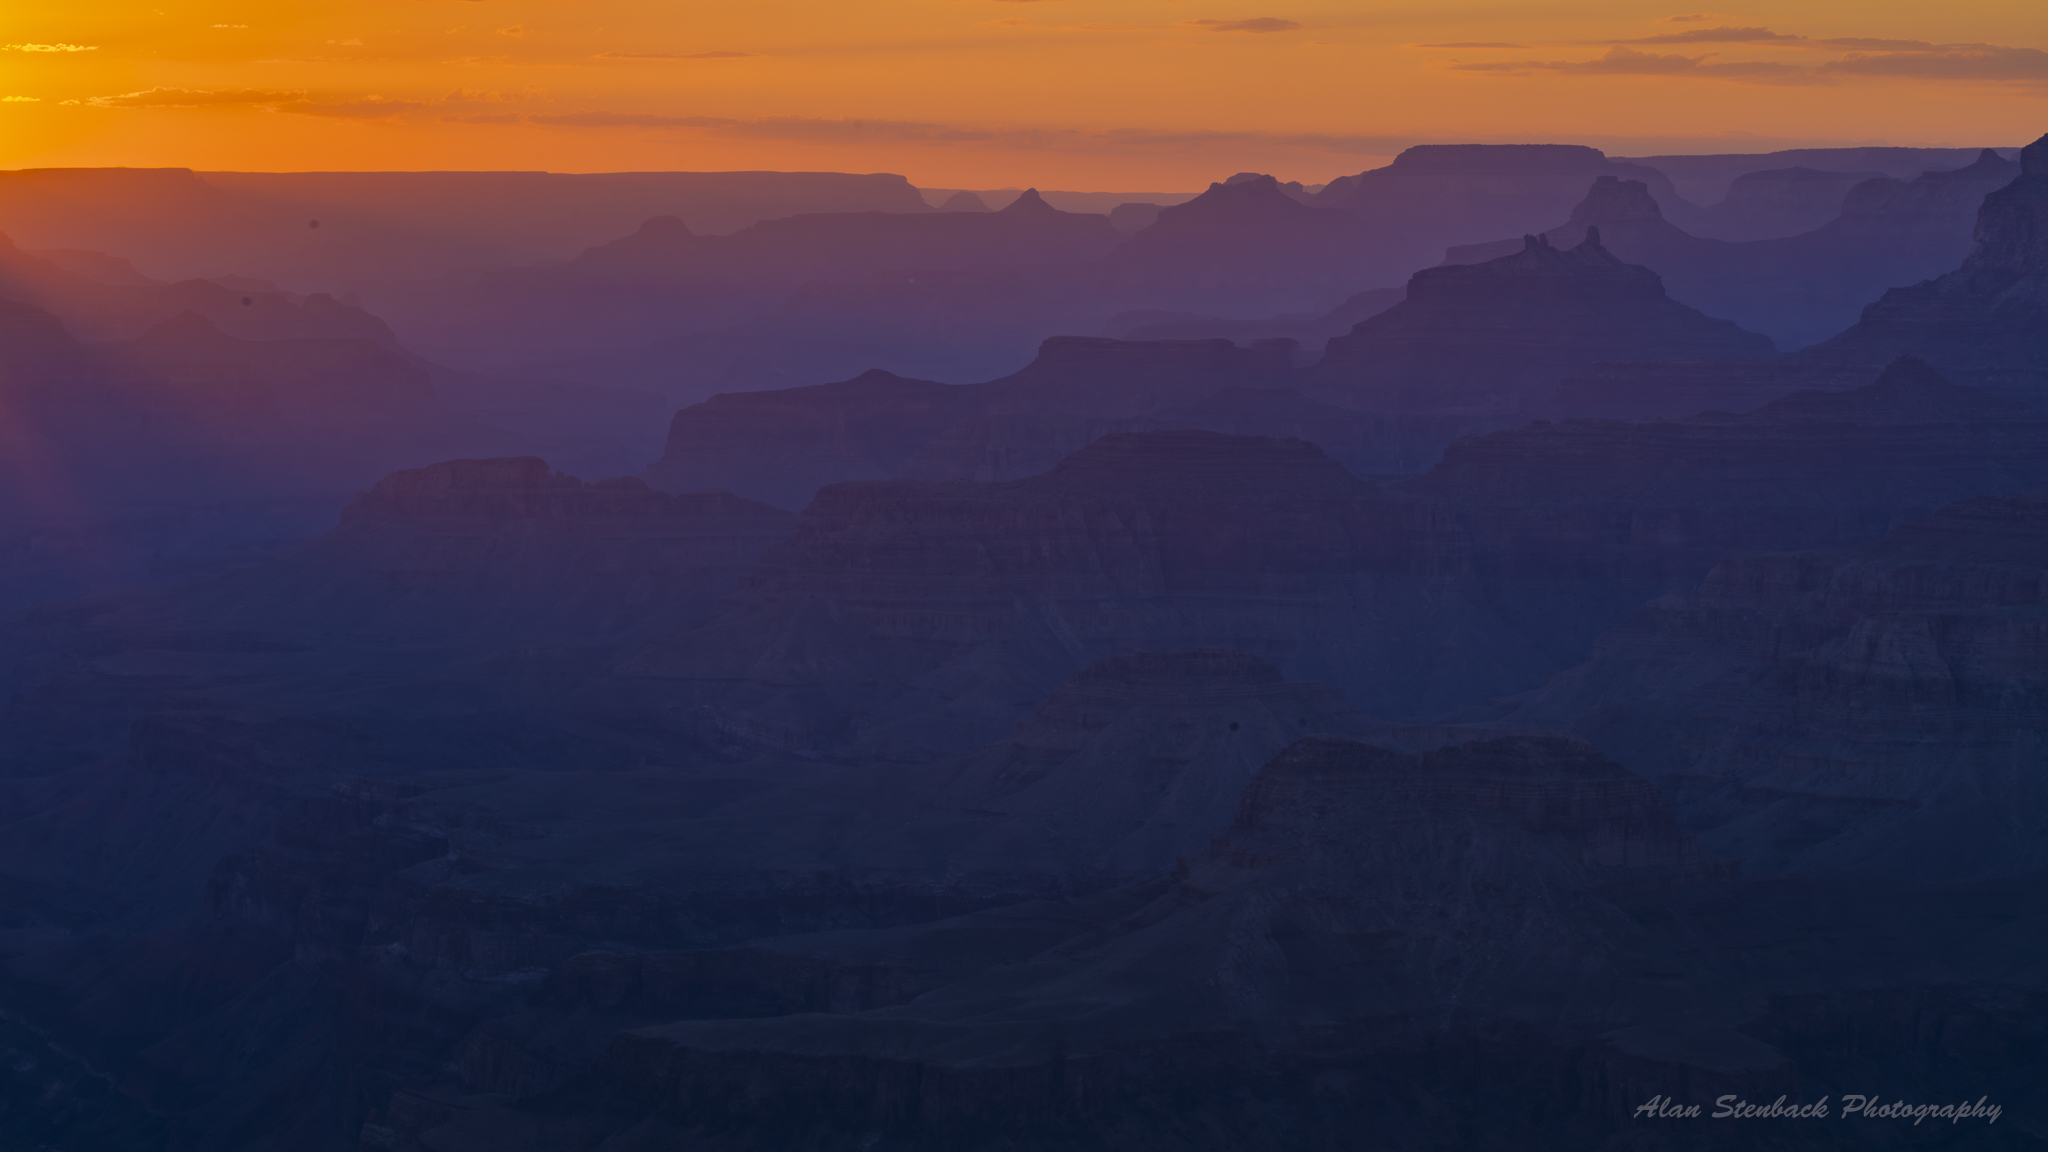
49	47
1630	62
1255	24
1869	58
192	98
1688	18
354	109
676	55
1472	44
1948	62
21	99
1712	36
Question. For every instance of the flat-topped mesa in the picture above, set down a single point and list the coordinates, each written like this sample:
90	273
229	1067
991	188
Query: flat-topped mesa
1528	157
1491	336
1097	376
1987	321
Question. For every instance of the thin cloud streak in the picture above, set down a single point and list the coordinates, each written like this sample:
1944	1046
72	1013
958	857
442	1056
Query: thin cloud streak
1256	24
192	98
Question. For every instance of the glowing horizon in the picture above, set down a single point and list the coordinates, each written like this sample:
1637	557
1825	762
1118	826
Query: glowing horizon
1125	94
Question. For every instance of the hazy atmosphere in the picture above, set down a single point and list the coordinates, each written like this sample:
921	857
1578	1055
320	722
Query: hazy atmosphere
1023	576
1108	94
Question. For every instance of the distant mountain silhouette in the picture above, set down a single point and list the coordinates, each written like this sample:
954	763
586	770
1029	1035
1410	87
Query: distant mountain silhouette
1778	202
178	224
665	276
1797	289
120	304
1492	337
1709	179
1987	321
964	201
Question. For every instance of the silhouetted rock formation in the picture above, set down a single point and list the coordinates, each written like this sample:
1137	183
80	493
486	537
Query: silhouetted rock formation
1237	245
1707	179
1353	884
177	224
1311	330
1868	710
1909	442
1131	219
1489	337
1987	321
779	446
1778	202
1092	376
97	309
964	201
1797	289
664	278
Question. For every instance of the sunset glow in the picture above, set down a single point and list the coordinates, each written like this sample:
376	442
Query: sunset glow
1067	93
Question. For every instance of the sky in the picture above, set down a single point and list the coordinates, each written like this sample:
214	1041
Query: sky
1146	95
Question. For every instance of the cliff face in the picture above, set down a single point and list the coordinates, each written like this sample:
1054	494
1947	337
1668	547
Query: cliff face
1800	288
1434	196
1352	884
924	611
1092	376
1910	440
1982	322
1869	710
1242	242
1774	202
780	446
1487	337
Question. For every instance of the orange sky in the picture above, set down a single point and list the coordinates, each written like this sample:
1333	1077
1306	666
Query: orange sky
1111	94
